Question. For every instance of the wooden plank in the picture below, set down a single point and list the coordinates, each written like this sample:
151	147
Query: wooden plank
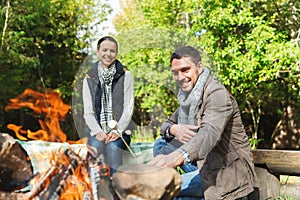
281	162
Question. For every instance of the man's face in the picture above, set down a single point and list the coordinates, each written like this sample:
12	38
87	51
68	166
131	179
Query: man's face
185	73
107	52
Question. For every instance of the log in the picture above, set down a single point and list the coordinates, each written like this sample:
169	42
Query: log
280	162
55	181
15	166
146	182
99	173
269	165
11	195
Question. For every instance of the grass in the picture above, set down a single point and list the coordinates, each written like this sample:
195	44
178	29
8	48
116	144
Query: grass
141	135
287	184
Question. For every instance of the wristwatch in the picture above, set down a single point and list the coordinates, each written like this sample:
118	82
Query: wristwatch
168	135
185	155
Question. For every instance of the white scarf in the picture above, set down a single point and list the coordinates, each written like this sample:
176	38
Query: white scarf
106	77
189	101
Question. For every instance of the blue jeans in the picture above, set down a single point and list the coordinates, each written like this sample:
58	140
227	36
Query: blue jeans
112	151
191	186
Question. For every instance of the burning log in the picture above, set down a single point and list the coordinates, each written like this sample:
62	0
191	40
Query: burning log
59	181
68	171
15	166
67	176
43	183
99	174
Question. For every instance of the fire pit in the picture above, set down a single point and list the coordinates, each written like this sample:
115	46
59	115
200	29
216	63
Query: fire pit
60	171
56	172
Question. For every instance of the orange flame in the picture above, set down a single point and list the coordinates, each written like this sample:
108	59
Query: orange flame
53	110
49	104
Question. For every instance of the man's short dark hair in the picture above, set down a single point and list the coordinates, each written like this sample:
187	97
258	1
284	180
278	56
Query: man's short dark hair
187	51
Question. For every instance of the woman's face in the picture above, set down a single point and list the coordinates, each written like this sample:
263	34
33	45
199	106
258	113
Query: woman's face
107	53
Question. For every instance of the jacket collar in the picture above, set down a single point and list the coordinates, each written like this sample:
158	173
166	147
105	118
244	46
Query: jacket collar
120	70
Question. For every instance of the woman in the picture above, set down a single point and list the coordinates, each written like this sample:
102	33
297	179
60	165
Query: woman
108	94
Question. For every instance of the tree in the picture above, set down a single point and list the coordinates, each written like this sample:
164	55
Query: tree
146	51
43	44
256	59
254	46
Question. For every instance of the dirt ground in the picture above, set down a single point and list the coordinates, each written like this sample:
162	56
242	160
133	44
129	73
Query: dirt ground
290	187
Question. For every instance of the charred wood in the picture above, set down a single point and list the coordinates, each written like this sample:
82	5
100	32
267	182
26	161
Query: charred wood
15	166
99	174
53	184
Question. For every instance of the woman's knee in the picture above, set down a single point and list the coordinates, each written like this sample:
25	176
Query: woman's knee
95	146
114	146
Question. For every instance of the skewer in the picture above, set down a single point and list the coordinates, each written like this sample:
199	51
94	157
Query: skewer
112	124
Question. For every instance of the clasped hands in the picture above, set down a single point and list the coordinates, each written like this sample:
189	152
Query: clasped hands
109	137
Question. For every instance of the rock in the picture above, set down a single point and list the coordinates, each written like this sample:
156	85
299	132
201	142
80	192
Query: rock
138	182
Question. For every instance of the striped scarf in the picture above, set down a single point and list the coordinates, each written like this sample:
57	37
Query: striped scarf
189	101
106	77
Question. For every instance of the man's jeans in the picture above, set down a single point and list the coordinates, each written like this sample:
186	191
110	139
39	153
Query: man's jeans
112	151
191	187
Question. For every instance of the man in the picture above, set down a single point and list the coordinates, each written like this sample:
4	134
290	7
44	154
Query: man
207	129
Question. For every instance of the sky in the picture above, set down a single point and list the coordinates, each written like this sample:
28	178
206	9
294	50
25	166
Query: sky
107	27
115	4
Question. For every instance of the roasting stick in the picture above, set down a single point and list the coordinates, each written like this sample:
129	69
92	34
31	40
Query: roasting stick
127	145
112	124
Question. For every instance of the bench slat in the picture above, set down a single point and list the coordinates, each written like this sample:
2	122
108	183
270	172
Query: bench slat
282	162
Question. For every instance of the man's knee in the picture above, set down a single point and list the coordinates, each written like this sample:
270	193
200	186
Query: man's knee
161	146
158	145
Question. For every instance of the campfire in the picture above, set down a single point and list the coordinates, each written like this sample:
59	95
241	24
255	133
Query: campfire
67	172
69	176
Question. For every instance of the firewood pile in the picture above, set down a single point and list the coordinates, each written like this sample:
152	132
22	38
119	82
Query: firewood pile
70	176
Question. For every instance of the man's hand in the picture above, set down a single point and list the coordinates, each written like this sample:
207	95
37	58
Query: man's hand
171	160
183	132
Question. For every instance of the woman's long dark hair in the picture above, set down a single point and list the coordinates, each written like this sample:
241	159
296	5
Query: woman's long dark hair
107	38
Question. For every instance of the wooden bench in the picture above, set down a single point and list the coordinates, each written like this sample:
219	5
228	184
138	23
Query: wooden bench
269	165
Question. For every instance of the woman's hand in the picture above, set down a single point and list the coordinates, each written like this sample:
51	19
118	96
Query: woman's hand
111	136
101	136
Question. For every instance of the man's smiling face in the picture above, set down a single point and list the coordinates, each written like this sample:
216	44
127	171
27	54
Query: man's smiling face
185	73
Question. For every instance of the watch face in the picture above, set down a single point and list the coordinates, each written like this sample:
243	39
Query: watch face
168	131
